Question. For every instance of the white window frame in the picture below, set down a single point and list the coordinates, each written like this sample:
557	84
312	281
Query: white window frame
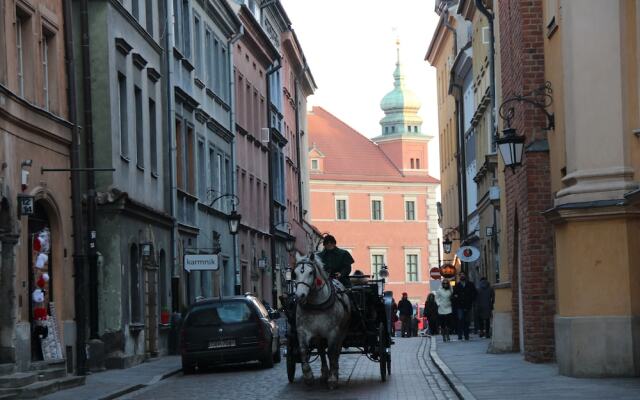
412	252
373	253
20	50
415	208
315	164
381	200
485	35
346	207
45	70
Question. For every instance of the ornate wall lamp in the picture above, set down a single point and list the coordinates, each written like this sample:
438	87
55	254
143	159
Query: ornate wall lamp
290	242
233	218
511	145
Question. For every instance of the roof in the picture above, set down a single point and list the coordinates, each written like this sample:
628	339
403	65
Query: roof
350	156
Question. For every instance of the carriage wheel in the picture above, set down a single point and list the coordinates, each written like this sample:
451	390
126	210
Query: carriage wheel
291	364
382	351
388	363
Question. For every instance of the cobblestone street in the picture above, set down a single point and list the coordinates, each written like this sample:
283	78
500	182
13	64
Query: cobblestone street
413	377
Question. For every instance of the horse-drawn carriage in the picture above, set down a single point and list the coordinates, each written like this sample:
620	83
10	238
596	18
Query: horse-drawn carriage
367	332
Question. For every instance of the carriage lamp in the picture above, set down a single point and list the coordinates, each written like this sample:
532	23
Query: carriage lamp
287	274
384	272
290	243
511	147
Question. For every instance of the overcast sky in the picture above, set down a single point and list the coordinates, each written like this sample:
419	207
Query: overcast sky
350	48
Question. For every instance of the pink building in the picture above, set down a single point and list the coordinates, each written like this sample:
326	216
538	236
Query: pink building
376	196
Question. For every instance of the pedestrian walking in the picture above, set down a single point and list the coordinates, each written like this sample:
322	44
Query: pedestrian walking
445	312
406	312
464	294
394	316
430	312
484	304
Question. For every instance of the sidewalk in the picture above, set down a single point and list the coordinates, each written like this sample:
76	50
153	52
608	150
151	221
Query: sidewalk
507	376
113	383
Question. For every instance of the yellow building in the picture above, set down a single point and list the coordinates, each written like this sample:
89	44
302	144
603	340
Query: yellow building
441	53
591	60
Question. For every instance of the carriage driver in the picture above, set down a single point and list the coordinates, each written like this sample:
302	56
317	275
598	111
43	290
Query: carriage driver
337	262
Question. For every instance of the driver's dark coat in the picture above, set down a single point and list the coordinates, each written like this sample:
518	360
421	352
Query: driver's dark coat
337	260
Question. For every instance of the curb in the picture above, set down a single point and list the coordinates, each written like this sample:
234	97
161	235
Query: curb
456	384
134	388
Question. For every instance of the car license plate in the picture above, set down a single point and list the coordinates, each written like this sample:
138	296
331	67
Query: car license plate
218	344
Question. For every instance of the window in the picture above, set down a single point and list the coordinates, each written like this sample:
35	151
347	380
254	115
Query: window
314	164
22	38
410	210
176	17
135	9
412	164
224	75
202	185
485	35
134	286
186	35
139	128
393	129
216	80
153	137
179	155
47	41
212	168
188	160
148	8
209	57
412	267
386	129
197	44
377	261
376	210
219	171
341	209
417	163
122	106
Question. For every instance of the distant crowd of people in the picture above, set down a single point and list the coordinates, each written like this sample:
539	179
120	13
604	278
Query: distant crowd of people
449	310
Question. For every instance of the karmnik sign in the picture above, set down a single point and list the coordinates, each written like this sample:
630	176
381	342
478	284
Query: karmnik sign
200	262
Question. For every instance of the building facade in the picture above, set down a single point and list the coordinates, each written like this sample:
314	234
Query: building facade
35	133
594	159
376	196
122	117
253	55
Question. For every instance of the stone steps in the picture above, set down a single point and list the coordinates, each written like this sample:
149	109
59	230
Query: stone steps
41	388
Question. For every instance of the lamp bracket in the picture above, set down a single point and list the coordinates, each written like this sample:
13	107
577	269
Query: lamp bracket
541	98
212	192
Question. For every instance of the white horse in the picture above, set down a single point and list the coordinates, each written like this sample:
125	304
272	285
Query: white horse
322	317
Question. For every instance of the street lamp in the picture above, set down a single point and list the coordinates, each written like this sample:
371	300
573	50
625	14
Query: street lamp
511	145
234	217
290	241
446	245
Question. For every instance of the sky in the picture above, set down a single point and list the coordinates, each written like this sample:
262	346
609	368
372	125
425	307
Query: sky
350	48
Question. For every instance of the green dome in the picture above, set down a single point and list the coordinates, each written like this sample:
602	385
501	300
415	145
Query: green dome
400	106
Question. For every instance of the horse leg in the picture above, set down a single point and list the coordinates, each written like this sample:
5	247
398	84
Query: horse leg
304	357
334	354
323	359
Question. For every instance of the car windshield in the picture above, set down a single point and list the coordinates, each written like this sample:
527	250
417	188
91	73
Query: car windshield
219	313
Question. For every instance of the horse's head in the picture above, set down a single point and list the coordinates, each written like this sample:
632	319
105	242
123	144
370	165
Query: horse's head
309	276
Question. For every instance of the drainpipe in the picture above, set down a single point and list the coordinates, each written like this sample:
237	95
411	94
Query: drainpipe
91	182
76	197
272	69
168	54
298	153
234	168
461	164
450	27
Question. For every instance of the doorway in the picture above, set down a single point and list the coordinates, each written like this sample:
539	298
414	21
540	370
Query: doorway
39	222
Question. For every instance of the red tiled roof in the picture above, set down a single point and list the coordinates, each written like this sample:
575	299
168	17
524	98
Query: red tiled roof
350	156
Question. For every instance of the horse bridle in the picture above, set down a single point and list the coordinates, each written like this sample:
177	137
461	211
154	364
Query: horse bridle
315	273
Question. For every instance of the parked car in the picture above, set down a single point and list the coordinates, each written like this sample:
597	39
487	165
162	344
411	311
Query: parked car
229	330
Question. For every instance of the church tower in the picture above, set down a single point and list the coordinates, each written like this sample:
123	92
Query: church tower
401	136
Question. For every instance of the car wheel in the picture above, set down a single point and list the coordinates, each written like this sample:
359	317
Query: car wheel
277	357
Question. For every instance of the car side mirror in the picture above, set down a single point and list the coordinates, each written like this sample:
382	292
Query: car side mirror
273	314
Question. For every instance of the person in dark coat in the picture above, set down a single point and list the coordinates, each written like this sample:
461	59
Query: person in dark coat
337	262
430	312
406	312
484	306
464	294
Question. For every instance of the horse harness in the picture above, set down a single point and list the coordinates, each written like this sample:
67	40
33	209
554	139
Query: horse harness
333	295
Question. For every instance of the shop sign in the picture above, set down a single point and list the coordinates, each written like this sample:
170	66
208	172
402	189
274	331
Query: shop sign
201	262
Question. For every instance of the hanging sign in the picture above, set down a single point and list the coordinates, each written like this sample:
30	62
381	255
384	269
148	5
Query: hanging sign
468	253
201	262
25	204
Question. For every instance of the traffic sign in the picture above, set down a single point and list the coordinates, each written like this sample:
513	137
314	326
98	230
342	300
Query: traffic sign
435	273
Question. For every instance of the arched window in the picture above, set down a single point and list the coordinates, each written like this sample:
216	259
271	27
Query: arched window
134	285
